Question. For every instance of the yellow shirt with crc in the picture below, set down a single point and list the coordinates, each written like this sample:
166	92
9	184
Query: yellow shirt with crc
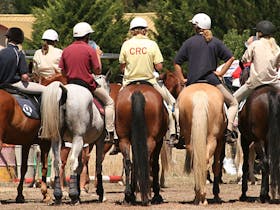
139	54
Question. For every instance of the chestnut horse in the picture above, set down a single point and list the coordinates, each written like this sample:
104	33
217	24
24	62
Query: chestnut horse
141	121
259	122
202	123
16	128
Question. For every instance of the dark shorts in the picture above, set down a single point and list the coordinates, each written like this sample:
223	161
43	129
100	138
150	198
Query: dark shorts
211	79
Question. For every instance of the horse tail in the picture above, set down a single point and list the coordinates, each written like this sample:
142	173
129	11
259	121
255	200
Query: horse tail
164	157
273	136
139	141
53	96
199	129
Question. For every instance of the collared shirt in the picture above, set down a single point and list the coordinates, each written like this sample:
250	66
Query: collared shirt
139	54
202	58
12	64
264	63
46	65
77	62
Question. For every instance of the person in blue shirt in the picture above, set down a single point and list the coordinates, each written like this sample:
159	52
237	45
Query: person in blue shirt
13	66
202	52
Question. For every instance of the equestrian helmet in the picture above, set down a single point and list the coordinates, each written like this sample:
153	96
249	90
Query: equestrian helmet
81	29
50	34
15	35
201	20
138	22
266	27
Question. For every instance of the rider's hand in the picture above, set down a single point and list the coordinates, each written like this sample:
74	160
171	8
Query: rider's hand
25	78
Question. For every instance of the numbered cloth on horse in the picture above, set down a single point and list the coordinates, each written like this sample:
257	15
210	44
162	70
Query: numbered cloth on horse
30	104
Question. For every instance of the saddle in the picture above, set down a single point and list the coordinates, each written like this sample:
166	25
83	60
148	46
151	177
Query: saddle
30	104
98	103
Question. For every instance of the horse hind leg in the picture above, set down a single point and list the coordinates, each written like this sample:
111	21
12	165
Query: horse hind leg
157	199
98	169
23	169
45	148
76	168
56	146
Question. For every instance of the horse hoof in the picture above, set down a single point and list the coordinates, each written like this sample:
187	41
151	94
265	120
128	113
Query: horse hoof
20	199
217	200
130	199
264	198
75	202
57	202
157	200
243	198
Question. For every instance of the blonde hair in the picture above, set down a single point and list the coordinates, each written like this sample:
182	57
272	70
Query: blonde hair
273	45
137	31
207	34
45	48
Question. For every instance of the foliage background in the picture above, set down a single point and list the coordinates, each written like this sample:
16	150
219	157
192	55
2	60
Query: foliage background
232	21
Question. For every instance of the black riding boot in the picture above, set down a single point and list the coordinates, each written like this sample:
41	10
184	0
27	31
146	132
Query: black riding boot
116	148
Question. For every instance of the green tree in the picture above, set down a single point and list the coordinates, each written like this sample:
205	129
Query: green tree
172	28
236	42
25	6
7	6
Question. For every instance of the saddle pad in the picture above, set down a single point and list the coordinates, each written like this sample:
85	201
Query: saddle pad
99	106
28	108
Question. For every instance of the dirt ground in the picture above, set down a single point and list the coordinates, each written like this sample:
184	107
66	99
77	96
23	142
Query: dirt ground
178	194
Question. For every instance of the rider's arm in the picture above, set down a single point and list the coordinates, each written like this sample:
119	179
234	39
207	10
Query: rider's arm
158	67
225	67
122	67
179	72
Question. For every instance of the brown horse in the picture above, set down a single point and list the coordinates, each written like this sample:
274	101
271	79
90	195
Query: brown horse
141	121
16	128
202	123
172	83
259	122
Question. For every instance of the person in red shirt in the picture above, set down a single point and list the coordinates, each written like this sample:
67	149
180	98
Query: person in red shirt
78	61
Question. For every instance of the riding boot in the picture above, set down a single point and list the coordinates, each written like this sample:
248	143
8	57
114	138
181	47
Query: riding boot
116	148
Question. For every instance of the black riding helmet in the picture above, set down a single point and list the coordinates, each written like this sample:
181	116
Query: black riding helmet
15	35
266	27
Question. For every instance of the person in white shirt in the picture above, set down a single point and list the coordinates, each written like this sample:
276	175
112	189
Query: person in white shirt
46	59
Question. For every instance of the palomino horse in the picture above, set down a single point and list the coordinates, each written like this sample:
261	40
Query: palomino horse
16	128
68	113
141	121
202	123
259	122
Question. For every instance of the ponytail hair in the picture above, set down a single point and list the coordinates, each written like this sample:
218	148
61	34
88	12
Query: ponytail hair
207	34
45	48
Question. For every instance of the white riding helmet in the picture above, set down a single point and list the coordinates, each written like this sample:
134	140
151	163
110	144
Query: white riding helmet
50	34
81	29
201	20
138	22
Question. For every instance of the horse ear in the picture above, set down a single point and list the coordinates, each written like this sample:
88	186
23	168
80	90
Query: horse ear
108	74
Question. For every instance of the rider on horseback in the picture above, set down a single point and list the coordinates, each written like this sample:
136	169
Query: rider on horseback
13	66
202	52
139	58
77	62
264	53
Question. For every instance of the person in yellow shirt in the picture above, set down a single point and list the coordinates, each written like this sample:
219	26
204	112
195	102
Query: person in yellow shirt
139	58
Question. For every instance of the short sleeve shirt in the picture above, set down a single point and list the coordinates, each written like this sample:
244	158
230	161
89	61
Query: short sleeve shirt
77	62
139	54
12	64
202	57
